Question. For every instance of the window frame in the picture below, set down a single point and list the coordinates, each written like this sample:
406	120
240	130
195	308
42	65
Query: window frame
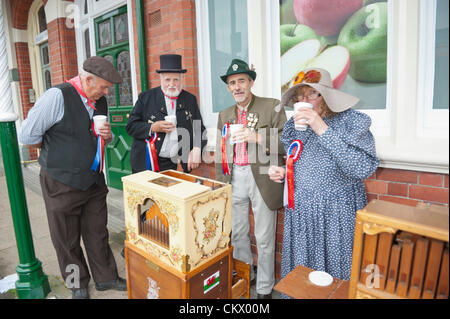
404	138
433	122
86	21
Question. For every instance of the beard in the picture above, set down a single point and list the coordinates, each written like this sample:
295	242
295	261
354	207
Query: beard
171	91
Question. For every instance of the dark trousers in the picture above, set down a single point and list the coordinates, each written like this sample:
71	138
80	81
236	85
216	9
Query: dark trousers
73	214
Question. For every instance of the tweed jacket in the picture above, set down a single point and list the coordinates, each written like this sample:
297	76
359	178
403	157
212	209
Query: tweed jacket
270	120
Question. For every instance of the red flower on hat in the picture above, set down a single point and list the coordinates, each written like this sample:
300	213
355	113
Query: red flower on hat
312	76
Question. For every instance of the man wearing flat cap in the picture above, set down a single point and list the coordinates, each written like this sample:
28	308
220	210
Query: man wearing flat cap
168	120
73	184
242	159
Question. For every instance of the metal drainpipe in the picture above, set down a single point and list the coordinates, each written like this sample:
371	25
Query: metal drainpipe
32	283
141	44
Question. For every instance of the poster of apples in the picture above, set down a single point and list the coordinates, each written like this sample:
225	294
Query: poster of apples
348	38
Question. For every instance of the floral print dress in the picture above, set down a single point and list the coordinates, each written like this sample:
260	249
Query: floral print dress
329	189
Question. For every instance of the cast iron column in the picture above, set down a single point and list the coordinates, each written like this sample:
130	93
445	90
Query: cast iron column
32	283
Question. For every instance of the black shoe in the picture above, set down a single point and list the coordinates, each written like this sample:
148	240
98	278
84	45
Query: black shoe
261	296
118	284
81	293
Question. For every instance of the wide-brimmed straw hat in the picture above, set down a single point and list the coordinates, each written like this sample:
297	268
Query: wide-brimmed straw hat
320	80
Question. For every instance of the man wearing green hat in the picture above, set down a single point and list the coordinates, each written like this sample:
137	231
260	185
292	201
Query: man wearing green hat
243	157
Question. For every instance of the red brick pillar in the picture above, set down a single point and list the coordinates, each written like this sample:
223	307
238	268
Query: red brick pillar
63	50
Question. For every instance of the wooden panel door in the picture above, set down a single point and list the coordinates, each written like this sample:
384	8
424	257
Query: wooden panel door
112	42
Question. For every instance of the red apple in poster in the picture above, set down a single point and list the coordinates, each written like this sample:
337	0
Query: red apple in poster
325	17
308	54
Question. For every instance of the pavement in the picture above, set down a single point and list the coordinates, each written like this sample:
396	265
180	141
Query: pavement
41	237
43	246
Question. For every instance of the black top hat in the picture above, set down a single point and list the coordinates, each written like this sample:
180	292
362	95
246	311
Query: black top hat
170	63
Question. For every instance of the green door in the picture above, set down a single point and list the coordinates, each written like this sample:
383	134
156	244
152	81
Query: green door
112	42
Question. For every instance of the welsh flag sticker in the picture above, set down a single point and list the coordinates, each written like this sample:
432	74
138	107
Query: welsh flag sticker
210	282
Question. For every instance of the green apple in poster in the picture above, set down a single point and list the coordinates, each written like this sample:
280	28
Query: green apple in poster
291	34
287	15
310	54
325	17
365	36
367	2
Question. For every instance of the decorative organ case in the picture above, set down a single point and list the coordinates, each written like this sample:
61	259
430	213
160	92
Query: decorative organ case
177	236
400	251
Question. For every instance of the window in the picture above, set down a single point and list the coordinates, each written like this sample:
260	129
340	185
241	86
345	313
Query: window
228	40
441	73
433	80
42	20
87	43
222	34
45	62
112	43
351	44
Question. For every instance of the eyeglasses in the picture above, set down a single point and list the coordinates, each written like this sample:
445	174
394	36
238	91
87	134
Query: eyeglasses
309	96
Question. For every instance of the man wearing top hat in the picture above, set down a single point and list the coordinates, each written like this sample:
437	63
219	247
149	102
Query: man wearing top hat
73	188
244	163
177	139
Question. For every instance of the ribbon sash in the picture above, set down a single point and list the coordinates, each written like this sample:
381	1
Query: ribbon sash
152	157
225	133
292	156
100	154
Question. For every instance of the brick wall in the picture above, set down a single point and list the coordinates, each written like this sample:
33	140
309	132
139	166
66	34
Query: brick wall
399	186
62	50
408	187
170	28
19	13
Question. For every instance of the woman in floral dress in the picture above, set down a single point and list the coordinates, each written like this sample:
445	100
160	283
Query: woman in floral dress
338	154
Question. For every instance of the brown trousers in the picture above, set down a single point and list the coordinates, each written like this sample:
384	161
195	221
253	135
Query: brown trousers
72	214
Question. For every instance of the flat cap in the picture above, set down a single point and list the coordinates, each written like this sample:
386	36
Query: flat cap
103	68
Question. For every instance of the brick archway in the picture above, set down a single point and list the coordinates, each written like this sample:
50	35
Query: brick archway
62	52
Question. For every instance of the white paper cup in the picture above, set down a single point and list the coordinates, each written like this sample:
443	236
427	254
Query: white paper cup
171	119
99	120
233	129
298	106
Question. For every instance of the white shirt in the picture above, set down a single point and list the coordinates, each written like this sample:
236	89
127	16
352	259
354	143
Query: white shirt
169	148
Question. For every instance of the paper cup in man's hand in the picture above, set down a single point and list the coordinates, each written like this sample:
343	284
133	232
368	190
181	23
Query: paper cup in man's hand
233	129
99	121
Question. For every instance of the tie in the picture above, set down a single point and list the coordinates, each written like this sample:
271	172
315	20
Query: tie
172	98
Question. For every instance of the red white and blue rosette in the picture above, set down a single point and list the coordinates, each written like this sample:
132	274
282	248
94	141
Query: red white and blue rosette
293	155
151	156
100	154
225	133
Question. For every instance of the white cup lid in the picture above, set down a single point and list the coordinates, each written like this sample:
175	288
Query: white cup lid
320	278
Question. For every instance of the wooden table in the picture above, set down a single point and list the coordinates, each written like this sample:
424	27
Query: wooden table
297	285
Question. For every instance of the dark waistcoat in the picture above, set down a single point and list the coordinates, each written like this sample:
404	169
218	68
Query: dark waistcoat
69	146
